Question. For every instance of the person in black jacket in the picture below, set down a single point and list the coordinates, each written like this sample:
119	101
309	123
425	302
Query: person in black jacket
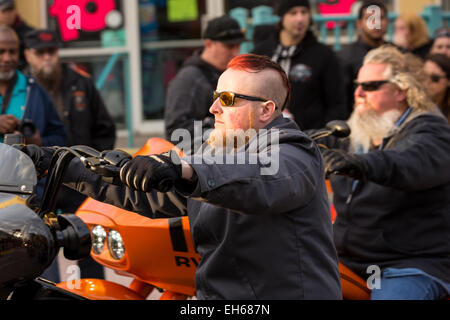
10	17
372	25
189	94
312	67
78	102
391	183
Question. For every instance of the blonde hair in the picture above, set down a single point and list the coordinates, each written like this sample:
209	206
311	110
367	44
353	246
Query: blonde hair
417	29
403	73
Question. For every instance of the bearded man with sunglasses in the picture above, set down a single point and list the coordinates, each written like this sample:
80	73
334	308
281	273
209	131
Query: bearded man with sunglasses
391	183
261	235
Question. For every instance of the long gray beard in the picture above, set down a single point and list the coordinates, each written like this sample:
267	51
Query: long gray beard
370	127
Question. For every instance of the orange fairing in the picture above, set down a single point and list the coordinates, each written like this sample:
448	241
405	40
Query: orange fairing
159	252
95	289
353	286
330	198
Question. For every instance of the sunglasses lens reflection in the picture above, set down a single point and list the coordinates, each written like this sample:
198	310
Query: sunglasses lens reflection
226	99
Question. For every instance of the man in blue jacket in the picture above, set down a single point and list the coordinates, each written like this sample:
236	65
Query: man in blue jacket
23	99
392	183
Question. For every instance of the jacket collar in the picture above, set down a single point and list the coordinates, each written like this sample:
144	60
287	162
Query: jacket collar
410	114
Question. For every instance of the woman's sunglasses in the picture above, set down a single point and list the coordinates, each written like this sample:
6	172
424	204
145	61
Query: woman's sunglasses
435	78
227	98
370	85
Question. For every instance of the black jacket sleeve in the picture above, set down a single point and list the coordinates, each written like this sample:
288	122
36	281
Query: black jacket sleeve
152	204
418	159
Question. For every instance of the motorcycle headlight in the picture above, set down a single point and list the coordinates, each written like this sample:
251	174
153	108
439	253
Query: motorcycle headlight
98	239
115	245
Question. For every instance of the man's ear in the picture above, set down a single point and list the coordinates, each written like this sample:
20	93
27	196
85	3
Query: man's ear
208	43
358	24
268	108
401	95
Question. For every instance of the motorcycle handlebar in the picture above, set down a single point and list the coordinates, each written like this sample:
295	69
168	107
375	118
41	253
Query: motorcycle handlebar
109	163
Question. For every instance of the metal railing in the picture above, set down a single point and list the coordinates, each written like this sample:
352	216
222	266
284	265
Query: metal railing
344	27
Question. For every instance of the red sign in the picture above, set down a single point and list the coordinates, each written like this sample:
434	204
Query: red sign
76	15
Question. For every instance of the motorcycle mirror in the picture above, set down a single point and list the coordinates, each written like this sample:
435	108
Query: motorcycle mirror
74	237
338	128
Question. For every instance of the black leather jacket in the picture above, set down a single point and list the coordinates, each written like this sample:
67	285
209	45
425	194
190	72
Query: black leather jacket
400	217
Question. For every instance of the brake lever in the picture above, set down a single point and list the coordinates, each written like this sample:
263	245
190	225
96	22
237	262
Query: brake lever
116	158
107	165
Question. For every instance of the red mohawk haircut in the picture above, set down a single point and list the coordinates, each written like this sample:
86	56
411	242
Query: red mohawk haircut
257	63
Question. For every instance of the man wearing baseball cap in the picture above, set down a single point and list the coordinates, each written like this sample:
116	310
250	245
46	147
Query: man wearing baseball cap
10	17
189	95
78	102
312	67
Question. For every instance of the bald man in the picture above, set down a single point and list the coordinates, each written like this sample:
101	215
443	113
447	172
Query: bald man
10	16
260	220
23	100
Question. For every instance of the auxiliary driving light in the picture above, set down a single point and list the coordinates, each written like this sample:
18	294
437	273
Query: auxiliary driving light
115	245
98	239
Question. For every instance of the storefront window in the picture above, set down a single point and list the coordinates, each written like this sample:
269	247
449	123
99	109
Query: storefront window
161	22
159	67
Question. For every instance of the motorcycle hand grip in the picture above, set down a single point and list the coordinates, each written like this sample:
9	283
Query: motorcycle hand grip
165	185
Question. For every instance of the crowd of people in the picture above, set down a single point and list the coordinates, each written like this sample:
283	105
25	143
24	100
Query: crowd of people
270	236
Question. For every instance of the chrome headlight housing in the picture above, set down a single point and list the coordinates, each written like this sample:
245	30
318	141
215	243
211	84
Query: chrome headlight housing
115	245
98	239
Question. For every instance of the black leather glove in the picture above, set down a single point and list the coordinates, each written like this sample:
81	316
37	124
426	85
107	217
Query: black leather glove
344	163
144	173
41	156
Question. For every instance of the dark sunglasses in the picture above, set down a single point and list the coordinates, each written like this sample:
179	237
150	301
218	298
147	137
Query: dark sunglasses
370	85
228	98
435	78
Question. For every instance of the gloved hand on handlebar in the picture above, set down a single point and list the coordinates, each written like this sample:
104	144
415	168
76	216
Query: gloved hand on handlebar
344	163
144	173
41	156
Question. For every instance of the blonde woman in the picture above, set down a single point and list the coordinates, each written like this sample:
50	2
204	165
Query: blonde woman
411	34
